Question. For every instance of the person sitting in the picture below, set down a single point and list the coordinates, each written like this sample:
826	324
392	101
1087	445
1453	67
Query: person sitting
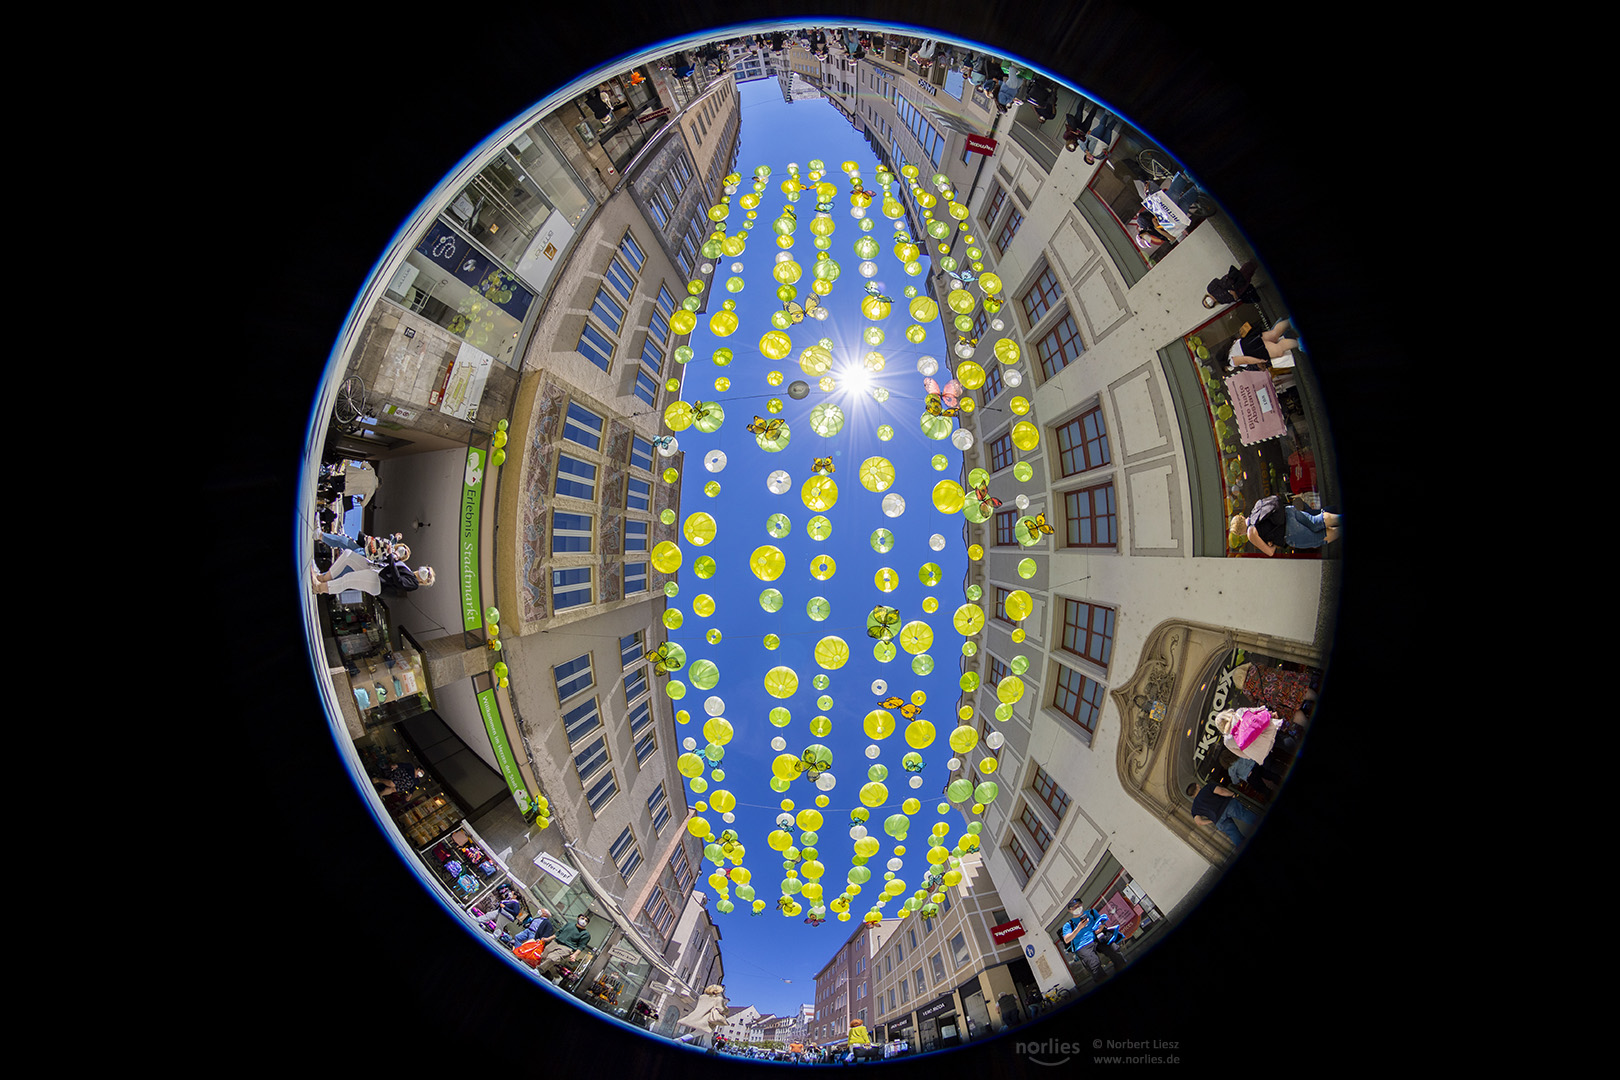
1270	523
1234	287
1258	350
1216	805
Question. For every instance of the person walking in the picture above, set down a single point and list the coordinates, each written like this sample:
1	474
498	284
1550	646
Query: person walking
1080	936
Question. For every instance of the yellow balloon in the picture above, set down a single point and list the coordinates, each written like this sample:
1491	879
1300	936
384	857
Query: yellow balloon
874	793
1006	350
879	724
964	739
919	734
718	731
819	493
775	345
767	562
916	636
683	322
666	557
886	579
781	682
1025	435
832	653
1018	605
787	766
970	375
722	323
698	827
990	283
948	497
678	416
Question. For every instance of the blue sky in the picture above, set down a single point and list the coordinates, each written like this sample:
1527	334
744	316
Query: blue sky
771	960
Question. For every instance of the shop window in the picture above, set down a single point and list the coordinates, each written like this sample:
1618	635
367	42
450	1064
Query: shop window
1001	452
1041	297
635	578
1037	831
1021	859
1060	348
1047	790
632	253
992	207
570	588
591	759
635	684
594	347
626	853
1088	631
658	810
1078	697
573	677
583	426
570	532
641	454
959	950
1008	231
1092	518
576	478
1083	443
631	648
619	279
608	310
635	536
602	792
581	720
638	494
1006	523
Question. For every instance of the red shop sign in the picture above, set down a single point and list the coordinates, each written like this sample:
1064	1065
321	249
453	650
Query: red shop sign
1007	931
981	144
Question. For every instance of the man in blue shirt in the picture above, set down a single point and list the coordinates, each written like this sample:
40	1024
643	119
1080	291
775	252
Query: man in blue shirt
1080	936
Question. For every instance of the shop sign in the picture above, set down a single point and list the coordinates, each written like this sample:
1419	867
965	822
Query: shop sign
472	490
539	261
556	868
481	273
463	386
1254	400
1210	738
981	144
1007	931
503	749
936	1007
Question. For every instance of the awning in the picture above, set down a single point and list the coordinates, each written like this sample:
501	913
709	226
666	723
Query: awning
628	929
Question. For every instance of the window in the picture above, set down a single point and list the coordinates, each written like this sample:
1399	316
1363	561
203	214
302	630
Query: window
992	209
1083	443
681	868
992	379
998	671
657	327
635	536
583	426
635	577
905	991
912	934
573	677
619	278
891	999
594	347
659	214
1060	348
1049	793
658	810
570	588
641	454
1041	296
632	254
631	649
1021	858
666	304
959	950
591	758
922	987
602	793
945	904
1008	231
635	684
1088	630
1092	517
937	961
570	532
637	494
626	855
1006	523
660	913
1001	604
652	357
608	310
1078	698
1037	831
645	746
576	478
1001	452
581	720
899	952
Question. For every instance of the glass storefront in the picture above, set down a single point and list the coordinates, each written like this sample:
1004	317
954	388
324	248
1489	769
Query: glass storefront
1110	890
1141	204
1284	687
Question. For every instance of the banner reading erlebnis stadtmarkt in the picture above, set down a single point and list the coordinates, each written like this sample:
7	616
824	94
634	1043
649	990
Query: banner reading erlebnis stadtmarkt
472	493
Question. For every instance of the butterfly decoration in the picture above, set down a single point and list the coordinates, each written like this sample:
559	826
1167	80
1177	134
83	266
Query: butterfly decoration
700	409
799	311
907	709
985	501
662	441
962	278
767	429
874	289
860	196
823	465
961	340
665	661
950	394
887	618
823	207
788	210
1037	526
910	767
936	406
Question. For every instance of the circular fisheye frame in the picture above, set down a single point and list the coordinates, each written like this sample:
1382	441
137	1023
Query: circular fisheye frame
538	620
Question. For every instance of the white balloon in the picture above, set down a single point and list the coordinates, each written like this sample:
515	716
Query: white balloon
826	781
856	832
879	687
916	781
954	764
737	267
1022	502
714	705
894	504
1012	377
937	542
778	482
994	740
707	268
714	460
895	863
669	448
873	750
867	269
997	324
689	743
784	256
927	366
962	438
964	350
785	820
778	744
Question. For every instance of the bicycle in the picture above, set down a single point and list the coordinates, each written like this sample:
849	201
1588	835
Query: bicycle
351	406
1154	164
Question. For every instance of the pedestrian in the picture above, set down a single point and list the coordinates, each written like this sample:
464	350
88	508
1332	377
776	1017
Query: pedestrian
1080	936
1271	523
1250	349
351	570
1108	938
569	943
1043	99
1234	287
400	779
1217	806
1078	129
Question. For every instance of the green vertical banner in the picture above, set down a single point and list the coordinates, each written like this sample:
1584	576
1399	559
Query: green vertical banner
472	497
503	750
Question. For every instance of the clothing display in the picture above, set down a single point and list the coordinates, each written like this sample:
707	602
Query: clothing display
1283	691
